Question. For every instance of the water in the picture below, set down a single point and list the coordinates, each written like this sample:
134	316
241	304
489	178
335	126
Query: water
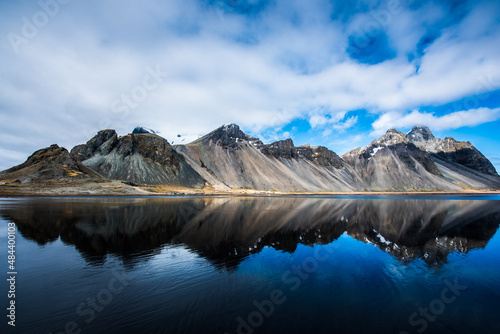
254	265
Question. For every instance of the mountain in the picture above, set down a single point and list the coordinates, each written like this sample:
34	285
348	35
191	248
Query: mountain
141	129
418	161
463	153
50	163
144	158
228	158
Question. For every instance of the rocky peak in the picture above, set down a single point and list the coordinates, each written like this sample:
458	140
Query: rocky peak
51	163
143	158
146	144
102	143
392	145
464	153
141	129
320	155
49	154
461	152
281	149
423	138
391	137
150	146
420	133
227	136
228	131
232	130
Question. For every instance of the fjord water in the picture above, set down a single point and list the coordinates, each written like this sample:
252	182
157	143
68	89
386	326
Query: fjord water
255	264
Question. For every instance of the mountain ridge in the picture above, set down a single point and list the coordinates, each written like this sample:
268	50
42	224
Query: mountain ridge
406	162
141	157
226	159
463	153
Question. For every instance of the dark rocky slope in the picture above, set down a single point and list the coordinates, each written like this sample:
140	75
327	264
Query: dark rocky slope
228	158
462	153
51	163
143	158
403	163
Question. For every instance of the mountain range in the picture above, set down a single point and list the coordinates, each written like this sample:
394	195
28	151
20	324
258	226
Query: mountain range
227	159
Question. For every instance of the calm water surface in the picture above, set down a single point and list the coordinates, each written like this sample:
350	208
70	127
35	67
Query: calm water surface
254	265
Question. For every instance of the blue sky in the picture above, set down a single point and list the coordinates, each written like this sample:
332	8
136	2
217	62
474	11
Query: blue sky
324	72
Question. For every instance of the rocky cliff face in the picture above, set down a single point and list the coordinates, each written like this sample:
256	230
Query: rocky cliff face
280	149
102	143
228	136
321	156
51	163
462	153
395	162
229	158
143	158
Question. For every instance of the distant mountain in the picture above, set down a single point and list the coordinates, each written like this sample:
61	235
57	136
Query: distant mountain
419	161
143	158
463	153
227	158
141	129
51	163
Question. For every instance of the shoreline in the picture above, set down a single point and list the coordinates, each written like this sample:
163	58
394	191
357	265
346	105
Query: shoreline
122	189
176	192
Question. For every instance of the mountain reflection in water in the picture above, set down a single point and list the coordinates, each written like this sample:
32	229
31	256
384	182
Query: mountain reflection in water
227	230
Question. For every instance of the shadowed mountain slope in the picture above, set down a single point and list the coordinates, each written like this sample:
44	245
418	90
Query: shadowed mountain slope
228	158
50	163
395	162
462	153
144	158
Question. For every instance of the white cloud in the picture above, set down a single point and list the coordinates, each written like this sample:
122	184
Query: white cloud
453	120
61	86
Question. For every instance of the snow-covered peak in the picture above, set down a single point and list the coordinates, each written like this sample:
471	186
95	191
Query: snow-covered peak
141	129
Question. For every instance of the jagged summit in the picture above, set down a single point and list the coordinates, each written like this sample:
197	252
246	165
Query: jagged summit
227	158
281	149
419	161
320	155
391	137
231	136
141	129
49	163
228	135
144	158
393	162
460	152
420	133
